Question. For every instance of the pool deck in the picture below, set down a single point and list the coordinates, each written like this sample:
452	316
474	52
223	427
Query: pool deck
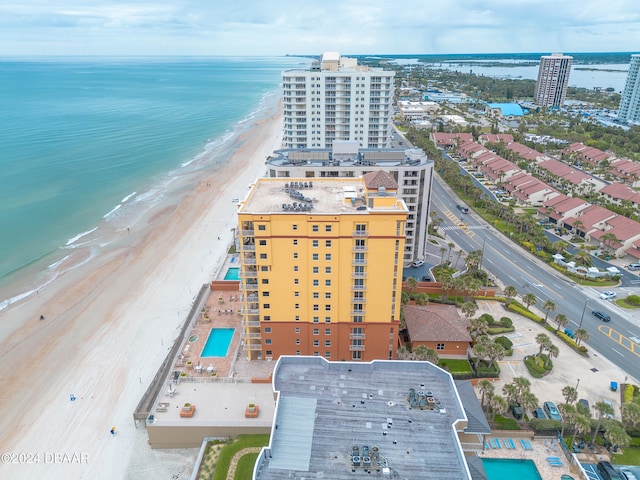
541	450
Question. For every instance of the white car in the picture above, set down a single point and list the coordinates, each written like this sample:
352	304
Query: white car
634	266
608	295
417	263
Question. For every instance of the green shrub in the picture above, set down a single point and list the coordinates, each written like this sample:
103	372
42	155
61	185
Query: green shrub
628	393
524	312
506	322
633	300
487	318
498	330
505	342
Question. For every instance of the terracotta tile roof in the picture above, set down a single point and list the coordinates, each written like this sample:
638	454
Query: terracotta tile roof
436	322
620	191
374	180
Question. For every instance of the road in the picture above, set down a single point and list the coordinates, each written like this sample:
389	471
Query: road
618	340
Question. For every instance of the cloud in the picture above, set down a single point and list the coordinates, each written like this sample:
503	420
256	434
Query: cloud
196	27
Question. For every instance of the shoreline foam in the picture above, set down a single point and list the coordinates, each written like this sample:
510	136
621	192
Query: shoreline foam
109	324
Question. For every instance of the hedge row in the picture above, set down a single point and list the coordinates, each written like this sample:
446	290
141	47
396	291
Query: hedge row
524	312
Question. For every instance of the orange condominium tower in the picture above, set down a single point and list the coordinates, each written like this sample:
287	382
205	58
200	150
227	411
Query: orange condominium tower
321	267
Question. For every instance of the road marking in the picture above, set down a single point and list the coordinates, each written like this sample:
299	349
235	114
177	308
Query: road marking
625	342
619	353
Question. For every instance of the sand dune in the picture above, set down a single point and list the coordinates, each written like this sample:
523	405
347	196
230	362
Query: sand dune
108	328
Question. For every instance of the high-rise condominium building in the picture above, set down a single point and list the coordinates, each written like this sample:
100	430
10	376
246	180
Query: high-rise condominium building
410	168
553	80
337	99
321	267
630	101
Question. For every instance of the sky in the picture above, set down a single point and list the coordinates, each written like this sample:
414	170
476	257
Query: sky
278	27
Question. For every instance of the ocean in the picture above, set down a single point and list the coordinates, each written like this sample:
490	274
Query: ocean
88	145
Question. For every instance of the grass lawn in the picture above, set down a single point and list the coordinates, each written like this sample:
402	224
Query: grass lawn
629	456
244	469
622	303
227	453
456	366
502	423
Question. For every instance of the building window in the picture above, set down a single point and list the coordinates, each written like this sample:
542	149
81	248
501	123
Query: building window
295	255
296	281
314	243
262	228
294	227
264	268
295	241
327	343
316	343
267	329
327	283
327	257
315	269
297	341
357	319
268	353
440	346
296	306
296	294
316	354
297	329
265	294
327	308
356	355
262	243
297	318
267	341
297	352
266	305
316	282
316	319
327	243
316	331
314	228
316	308
316	295
266	318
265	281
327	295
327	228
315	256
327	270
327	354
327	331
327	319
263	256
295	268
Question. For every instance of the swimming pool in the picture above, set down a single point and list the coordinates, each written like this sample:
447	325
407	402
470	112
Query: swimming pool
507	469
232	274
218	343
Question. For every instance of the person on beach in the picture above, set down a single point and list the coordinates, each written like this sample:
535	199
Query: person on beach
113	430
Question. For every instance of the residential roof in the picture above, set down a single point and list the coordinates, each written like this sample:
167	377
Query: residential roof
434	322
495	138
326	409
590	217
620	191
375	180
622	227
477	421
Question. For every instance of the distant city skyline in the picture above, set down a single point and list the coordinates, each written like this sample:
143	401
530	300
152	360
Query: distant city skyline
252	27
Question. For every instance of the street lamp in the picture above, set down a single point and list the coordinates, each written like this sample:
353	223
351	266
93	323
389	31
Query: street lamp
578	383
584	309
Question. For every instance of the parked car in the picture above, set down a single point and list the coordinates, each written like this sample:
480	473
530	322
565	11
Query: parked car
634	266
539	413
552	411
628	474
417	263
605	317
608	295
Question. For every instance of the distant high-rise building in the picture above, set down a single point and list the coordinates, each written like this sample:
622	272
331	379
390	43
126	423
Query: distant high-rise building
337	99
630	101
553	80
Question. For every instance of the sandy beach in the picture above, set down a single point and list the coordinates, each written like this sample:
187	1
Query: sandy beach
109	325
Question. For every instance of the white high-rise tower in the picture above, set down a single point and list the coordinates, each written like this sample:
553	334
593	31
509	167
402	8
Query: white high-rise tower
630	101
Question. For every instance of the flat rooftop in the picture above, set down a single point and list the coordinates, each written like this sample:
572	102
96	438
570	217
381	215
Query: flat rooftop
320	196
363	157
325	409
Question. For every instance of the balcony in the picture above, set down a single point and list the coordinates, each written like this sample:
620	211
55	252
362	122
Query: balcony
251	323
358	288
361	233
253	346
358	300
247	247
356	348
250	311
357	336
359	275
246	233
358	262
250	287
358	312
251	336
359	248
248	274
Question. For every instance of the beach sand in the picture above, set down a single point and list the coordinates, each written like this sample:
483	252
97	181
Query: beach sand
108	327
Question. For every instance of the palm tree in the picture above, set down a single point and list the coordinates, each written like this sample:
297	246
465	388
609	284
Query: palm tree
486	388
494	352
603	409
548	306
528	400
479	327
474	260
583	258
442	250
581	424
511	393
424	353
578	225
616	435
581	335
529	299
422	299
609	239
412	284
498	406
510	291
561	320
568	415
469	309
630	413
544	341
570	394
552	352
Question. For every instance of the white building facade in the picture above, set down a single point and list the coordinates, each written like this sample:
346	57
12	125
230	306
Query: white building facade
630	102
553	80
337	99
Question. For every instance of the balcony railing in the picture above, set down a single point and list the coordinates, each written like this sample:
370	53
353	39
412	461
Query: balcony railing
251	336
246	233
359	275
361	233
358	312
356	348
249	260
251	323
357	336
250	311
358	300
358	288
248	274
358	262
360	248
253	346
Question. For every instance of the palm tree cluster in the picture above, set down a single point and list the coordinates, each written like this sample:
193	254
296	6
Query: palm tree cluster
544	342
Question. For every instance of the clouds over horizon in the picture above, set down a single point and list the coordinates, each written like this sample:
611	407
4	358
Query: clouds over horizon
254	27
